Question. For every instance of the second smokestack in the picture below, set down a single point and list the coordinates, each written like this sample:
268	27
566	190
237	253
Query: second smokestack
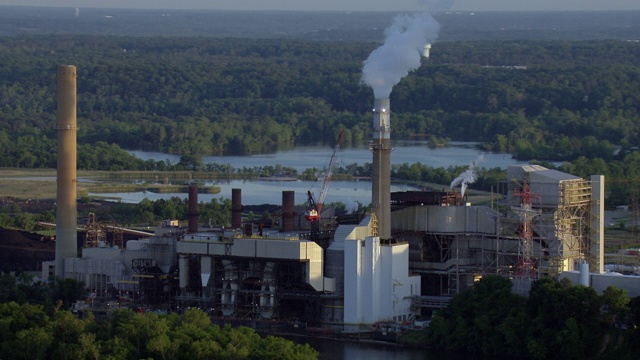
288	210
236	208
193	214
66	207
381	179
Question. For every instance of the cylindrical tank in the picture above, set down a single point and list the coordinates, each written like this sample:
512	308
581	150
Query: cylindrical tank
584	273
66	208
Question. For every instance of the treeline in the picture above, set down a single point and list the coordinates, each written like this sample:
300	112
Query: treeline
217	211
37	322
556	321
146	212
50	296
29	333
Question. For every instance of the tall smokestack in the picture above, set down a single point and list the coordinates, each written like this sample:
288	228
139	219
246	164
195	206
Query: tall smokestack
66	209
288	207
236	208
193	209
383	69
381	180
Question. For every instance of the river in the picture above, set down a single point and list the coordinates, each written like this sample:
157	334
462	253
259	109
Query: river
304	157
331	349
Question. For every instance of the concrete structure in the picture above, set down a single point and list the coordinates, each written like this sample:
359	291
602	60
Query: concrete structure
381	178
275	275
66	208
377	285
596	224
139	270
601	281
364	280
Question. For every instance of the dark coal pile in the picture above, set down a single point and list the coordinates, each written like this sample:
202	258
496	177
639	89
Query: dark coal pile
24	251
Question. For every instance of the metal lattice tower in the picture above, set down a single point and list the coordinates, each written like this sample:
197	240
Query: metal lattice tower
526	268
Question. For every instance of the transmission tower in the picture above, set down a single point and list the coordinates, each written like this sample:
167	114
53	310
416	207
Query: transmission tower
526	267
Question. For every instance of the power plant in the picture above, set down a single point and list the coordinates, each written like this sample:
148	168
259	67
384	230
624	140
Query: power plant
409	256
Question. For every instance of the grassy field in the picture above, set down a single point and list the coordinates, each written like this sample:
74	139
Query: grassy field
25	184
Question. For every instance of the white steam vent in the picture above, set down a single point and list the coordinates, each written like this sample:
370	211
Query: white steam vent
426	51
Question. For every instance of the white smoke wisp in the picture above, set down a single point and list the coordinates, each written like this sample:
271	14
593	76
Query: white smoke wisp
467	177
351	206
77	12
401	52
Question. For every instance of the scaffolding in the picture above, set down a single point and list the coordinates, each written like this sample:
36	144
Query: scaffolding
102	233
572	225
544	229
450	262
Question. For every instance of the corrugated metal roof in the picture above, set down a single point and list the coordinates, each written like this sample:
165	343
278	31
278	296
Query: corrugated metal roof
550	176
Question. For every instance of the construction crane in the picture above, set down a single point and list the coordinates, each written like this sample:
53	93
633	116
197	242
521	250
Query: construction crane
314	208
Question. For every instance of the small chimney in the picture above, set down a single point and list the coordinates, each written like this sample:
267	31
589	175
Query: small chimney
193	209
236	208
288	210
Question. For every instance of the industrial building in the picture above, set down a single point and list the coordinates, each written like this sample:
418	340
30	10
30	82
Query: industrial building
410	255
439	247
549	228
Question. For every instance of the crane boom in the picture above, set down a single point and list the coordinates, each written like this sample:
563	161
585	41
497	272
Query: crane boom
327	178
314	208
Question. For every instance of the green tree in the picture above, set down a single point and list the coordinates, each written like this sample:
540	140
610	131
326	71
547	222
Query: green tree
615	304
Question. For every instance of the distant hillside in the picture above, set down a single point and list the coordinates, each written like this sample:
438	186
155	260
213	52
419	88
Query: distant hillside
326	26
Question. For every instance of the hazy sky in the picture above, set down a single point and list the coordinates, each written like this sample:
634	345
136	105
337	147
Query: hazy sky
352	5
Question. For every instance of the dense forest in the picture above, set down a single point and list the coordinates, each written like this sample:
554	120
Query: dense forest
540	100
556	321
573	101
37	322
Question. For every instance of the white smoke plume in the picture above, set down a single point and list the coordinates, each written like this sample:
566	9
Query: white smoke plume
401	52
77	12
467	177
